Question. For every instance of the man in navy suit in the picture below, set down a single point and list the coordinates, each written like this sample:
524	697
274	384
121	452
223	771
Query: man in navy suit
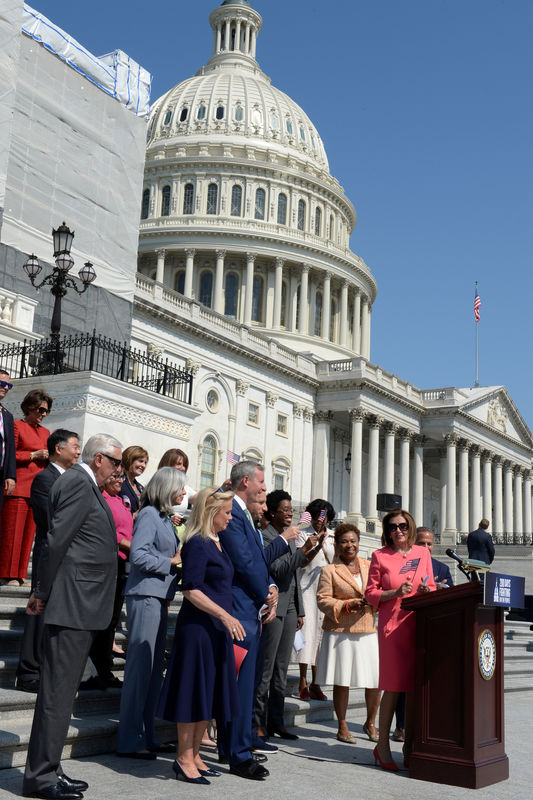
8	466
480	544
441	572
255	599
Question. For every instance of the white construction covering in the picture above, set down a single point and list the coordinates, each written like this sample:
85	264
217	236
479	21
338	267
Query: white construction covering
76	153
10	22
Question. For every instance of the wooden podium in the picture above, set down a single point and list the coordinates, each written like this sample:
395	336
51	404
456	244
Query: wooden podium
458	697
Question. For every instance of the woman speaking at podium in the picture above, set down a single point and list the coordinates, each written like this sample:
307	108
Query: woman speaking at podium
399	569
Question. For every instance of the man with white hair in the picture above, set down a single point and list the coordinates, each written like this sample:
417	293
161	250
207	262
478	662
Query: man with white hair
75	590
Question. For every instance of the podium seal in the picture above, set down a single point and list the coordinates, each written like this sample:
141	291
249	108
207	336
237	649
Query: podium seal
486	654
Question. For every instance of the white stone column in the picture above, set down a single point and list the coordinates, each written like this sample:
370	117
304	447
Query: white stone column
475	488
449	535
326	306
248	298
218	39
518	521
497	522
219	282
343	327
487	485
278	280
364	327
368	336
508	499
418	479
526	505
226	37
189	272
356	332
373	470
269	434
443	492
293	302
238	35
160	271
304	301
463	486
298	497
247	39
322	435
254	42
390	433
356	474
405	437
336	470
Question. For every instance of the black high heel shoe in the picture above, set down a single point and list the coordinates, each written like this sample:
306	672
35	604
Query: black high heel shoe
210	772
181	776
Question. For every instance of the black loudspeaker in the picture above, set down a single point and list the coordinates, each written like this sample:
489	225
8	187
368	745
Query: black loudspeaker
388	502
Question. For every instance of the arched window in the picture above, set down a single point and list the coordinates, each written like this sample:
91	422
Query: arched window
236	200
232	295
183	115
257	299
282	209
212	195
318	314
219	113
301	215
259	204
288	125
206	288
168	117
283	313
318	221
179	281
331	227
239	113
188	198
302	133
165	201
145	207
200	114
209	462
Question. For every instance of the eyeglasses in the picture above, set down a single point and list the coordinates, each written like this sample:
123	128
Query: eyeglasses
6	385
217	491
42	410
116	461
402	526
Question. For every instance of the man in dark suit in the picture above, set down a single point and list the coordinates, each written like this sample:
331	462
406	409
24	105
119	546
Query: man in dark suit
480	544
441	571
254	594
8	466
63	452
75	590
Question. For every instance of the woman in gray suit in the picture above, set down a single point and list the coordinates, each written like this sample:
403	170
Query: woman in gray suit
154	559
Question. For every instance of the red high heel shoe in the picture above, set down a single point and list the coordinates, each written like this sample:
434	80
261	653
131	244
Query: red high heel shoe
316	692
390	765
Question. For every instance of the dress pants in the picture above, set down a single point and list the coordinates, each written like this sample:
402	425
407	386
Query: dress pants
235	738
31	646
143	674
270	696
64	658
101	653
18	529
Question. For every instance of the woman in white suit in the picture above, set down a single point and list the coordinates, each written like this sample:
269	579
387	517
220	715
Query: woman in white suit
154	559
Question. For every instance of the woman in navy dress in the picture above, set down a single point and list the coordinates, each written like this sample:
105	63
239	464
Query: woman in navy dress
201	682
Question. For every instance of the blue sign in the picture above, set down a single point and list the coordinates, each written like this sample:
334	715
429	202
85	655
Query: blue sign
504	590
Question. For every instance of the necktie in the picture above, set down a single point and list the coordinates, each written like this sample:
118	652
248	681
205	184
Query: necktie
250	520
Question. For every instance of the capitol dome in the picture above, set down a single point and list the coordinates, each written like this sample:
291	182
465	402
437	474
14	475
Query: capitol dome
238	194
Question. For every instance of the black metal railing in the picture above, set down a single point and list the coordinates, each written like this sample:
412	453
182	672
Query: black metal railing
503	538
96	353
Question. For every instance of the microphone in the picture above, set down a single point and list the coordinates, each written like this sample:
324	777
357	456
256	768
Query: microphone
452	554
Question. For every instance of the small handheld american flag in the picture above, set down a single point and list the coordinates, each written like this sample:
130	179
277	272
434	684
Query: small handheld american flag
232	458
305	519
322	515
412	564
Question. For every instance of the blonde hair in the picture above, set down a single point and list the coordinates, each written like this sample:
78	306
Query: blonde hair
207	504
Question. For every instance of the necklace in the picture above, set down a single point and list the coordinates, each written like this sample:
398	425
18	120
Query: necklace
214	537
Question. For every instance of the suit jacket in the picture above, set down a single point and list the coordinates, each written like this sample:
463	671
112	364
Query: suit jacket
480	546
78	563
335	587
441	572
251	579
283	569
154	543
9	467
40	489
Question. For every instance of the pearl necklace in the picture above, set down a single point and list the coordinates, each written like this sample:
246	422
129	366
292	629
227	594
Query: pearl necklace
214	537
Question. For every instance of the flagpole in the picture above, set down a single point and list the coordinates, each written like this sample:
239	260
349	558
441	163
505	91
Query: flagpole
476	384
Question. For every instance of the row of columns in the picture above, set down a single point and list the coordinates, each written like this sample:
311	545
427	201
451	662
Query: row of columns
357	340
244	44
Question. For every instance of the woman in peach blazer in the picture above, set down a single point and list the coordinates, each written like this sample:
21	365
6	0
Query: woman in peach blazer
349	649
398	570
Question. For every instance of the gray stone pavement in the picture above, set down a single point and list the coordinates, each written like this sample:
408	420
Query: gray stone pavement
316	766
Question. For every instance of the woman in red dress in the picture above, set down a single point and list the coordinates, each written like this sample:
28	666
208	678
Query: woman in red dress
398	570
17	527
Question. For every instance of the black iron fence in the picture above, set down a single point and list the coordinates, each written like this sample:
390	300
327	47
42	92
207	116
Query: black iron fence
89	351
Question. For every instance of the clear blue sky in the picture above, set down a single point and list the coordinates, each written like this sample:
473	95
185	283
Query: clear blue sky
425	110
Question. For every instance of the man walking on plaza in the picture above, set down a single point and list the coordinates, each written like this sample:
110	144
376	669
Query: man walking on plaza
75	590
480	544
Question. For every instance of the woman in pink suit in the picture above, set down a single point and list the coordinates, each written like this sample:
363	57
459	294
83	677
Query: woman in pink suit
398	570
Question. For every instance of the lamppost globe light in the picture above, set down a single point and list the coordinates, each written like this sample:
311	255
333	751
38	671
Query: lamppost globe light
87	273
348	462
63	237
32	266
64	262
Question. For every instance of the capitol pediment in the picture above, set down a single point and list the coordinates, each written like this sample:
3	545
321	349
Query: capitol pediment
494	407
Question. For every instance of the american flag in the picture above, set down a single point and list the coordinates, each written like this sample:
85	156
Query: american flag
477	306
322	515
232	458
305	519
412	564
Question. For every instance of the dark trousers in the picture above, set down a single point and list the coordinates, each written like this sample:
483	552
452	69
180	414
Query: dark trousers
278	638
31	646
101	653
64	658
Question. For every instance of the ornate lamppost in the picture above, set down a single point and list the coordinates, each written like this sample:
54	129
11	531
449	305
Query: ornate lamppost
59	280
